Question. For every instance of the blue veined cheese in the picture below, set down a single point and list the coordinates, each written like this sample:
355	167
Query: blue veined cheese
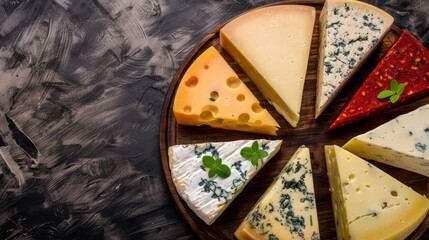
209	197
287	209
349	32
367	202
402	142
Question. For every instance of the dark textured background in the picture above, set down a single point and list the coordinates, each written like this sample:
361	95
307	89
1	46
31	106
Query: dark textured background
81	89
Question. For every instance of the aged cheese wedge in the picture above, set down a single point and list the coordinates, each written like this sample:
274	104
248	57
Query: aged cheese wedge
367	202
402	142
287	209
210	93
407	63
208	196
349	31
272	45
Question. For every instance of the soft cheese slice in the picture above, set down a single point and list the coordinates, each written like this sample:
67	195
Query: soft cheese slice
210	93
209	197
367	202
402	142
287	209
406	62
272	45
349	32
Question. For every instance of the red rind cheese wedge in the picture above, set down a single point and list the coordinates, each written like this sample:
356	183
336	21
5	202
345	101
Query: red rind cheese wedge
407	61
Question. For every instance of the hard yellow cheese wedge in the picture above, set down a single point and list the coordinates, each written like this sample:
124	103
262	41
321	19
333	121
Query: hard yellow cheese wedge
272	45
210	93
367	202
349	32
287	210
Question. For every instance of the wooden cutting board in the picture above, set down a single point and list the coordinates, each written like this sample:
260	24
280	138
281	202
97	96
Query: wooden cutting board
309	132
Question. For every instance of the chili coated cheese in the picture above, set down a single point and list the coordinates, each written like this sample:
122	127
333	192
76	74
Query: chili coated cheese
407	62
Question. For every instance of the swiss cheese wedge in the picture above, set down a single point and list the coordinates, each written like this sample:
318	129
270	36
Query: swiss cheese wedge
367	202
210	93
209	196
349	32
402	142
272	45
287	209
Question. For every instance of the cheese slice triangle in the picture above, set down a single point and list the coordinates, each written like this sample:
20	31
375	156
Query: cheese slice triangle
210	93
272	45
367	202
349	32
402	142
208	196
406	63
287	209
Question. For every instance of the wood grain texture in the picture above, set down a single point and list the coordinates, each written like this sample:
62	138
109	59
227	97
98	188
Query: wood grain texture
309	132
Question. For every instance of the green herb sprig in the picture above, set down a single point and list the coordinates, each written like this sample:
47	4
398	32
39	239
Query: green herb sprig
394	92
253	153
216	167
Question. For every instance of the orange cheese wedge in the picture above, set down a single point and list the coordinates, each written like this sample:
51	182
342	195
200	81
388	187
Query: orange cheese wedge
210	93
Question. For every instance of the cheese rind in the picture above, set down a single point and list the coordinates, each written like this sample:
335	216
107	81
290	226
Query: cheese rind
349	32
287	209
210	93
272	45
402	142
367	202
406	62
209	197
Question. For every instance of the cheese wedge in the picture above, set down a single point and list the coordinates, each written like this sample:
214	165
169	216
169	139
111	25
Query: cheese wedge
210	93
405	62
367	202
402	142
287	209
272	45
208	196
349	32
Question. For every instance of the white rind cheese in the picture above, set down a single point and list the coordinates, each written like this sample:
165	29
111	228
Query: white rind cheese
287	210
349	32
367	202
402	142
209	197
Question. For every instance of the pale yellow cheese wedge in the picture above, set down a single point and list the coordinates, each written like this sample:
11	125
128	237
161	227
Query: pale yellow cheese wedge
272	45
210	93
287	209
367	202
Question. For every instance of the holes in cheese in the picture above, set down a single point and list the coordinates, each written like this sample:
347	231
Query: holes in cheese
378	207
211	94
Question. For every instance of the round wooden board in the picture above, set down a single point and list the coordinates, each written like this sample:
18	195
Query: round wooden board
309	132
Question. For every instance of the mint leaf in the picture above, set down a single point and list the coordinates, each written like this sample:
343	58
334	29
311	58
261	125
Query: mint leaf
223	171
254	154
393	94
394	85
255	146
216	167
394	98
385	94
209	161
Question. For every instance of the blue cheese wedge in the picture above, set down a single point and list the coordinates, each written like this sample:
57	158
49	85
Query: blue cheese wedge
367	202
287	210
349	32
402	142
208	196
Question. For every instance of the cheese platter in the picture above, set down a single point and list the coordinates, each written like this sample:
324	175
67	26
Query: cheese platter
309	131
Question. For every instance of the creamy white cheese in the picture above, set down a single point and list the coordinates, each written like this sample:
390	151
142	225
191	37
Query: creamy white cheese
402	142
209	197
